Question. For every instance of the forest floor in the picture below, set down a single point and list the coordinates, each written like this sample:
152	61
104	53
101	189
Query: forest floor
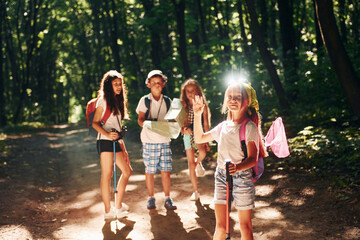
49	181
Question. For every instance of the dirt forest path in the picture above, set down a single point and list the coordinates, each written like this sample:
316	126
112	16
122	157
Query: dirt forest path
49	181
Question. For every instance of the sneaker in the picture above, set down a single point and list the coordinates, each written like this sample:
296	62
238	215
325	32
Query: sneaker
200	170
123	211
195	196
111	215
151	203
169	204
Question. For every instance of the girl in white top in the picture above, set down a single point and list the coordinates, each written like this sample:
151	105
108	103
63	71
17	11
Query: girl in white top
112	94
238	106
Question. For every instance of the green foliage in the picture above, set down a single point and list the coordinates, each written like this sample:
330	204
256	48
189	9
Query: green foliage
332	152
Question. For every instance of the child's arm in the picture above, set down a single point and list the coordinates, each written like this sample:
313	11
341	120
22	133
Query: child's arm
141	119
199	135
249	162
97	126
206	119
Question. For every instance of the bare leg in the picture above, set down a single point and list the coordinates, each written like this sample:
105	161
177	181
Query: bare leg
190	154
220	214
245	224
149	179
126	172
203	149
106	162
165	179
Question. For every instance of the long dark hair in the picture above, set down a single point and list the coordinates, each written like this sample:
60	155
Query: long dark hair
116	103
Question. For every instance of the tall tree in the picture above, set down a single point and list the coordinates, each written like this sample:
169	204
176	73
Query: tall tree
288	40
337	54
266	56
264	17
199	7
223	31
154	29
342	20
21	47
272	28
2	65
244	40
179	7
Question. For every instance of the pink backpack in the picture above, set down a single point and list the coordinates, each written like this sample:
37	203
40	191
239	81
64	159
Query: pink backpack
258	169
275	138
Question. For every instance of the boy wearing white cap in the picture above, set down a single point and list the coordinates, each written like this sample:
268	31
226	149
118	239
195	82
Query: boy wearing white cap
156	148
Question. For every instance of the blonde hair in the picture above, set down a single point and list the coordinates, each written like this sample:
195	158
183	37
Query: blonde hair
251	112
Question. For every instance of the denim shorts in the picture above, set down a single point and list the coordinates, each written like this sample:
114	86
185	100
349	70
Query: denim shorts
188	141
243	189
157	156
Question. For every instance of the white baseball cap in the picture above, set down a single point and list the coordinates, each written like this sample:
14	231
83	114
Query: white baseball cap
154	73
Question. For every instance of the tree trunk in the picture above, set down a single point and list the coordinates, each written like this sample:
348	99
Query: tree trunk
319	43
244	40
287	33
196	57
223	34
2	65
114	34
180	20
272	32
264	17
342	19
266	56
202	22
155	41
337	54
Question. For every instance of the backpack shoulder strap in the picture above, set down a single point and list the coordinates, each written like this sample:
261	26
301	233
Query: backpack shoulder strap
242	132
106	115
147	105
258	169
167	101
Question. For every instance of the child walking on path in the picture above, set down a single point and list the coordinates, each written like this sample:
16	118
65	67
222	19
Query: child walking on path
239	106
189	90
112	95
156	148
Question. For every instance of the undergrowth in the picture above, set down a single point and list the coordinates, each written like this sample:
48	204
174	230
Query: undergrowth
333	153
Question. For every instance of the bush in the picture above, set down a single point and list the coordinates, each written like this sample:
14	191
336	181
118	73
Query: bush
333	153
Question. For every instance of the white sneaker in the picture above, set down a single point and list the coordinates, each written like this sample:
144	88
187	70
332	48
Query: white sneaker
123	211
200	170
195	196
110	215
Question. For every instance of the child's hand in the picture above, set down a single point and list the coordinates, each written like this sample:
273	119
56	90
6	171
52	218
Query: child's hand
198	105
232	168
113	135
187	131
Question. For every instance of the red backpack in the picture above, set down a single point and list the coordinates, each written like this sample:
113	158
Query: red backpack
90	112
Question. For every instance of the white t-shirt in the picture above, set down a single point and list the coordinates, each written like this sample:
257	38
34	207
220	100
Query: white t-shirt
112	121
229	146
158	110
